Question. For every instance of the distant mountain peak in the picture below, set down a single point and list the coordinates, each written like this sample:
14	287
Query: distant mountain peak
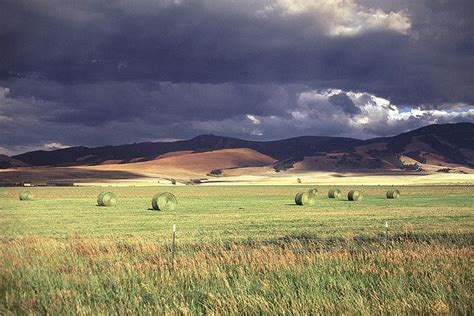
452	142
206	137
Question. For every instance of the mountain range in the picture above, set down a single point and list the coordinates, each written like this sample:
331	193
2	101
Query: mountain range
444	146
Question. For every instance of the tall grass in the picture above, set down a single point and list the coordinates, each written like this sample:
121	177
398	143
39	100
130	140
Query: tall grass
291	275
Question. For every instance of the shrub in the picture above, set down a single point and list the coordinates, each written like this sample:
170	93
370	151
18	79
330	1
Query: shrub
215	172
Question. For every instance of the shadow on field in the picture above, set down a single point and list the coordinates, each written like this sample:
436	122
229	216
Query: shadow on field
64	174
357	244
465	239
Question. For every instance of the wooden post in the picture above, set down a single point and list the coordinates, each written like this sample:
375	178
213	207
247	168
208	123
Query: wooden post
386	244
173	245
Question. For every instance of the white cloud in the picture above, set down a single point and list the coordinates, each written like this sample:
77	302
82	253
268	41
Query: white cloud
379	115
314	114
4	92
299	115
53	146
362	22
253	119
4	151
339	17
434	116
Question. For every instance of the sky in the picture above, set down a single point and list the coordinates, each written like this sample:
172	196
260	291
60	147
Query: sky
96	72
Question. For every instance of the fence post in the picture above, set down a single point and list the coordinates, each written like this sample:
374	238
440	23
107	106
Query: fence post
173	245
173	248
386	244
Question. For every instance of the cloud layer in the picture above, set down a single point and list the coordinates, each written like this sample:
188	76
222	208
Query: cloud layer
95	73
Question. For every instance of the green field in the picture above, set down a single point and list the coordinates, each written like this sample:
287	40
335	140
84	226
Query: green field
240	249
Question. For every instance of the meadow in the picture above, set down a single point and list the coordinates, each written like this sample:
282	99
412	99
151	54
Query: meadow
240	249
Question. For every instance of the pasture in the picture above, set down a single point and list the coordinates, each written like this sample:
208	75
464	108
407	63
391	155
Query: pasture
240	249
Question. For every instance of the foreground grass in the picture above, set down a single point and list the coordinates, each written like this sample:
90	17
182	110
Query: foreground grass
292	276
240	250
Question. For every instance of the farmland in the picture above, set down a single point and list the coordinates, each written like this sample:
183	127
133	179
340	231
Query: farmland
239	249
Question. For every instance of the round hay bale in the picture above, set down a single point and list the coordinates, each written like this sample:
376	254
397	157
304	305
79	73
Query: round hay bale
306	197
164	201
299	198
393	194
334	194
25	196
106	199
354	195
99	198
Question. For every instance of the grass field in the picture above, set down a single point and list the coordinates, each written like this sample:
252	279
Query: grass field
240	249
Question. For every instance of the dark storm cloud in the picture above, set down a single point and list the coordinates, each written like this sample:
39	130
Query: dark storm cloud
196	41
40	112
344	102
172	69
94	104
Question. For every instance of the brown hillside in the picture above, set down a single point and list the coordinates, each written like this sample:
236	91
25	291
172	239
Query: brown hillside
193	164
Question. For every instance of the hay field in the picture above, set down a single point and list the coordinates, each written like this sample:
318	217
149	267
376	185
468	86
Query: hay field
238	166
240	249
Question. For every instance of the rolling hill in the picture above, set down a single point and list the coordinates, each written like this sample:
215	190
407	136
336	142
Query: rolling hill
442	148
8	162
185	165
280	149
